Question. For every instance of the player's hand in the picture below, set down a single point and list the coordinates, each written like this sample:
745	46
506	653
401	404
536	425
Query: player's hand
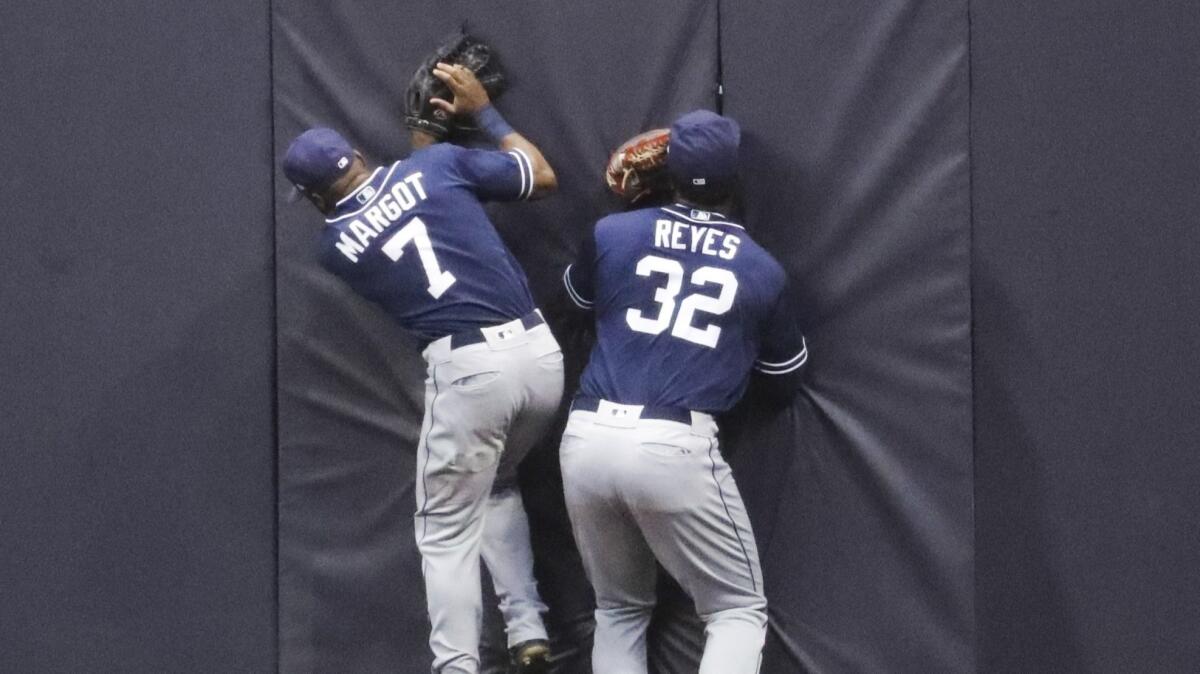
469	95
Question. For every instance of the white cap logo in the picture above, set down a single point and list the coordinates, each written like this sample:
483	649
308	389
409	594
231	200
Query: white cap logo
343	162
698	181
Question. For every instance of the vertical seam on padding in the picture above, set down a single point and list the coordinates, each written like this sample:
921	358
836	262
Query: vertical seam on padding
974	644
720	88
278	648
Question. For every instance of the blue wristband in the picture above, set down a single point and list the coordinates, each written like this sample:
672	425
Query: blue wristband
492	123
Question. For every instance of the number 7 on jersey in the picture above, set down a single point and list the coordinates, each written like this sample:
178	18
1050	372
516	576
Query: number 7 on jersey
416	233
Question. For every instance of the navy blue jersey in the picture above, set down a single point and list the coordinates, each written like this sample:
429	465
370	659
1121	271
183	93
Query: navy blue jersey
415	239
686	306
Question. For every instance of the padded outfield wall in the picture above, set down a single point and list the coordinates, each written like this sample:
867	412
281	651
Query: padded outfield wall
989	209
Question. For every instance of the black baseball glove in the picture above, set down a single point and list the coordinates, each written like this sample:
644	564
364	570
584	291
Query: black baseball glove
464	50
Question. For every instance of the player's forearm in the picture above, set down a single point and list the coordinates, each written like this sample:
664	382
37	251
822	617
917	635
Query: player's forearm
493	124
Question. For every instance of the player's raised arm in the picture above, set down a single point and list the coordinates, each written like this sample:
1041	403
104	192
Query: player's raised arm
470	98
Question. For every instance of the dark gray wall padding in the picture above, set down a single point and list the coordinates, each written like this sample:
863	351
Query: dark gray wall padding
137	510
856	176
1086	128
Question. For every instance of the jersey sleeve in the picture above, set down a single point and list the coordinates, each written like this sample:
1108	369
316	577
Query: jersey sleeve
579	274
497	175
784	348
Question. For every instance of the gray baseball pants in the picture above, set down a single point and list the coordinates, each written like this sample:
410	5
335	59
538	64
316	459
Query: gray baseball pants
486	404
638	490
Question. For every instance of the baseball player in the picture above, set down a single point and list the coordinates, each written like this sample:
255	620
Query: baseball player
413	237
686	305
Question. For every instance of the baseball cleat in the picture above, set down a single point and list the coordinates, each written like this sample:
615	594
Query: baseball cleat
531	657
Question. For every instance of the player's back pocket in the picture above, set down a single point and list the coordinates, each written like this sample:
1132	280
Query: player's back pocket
475	382
663	449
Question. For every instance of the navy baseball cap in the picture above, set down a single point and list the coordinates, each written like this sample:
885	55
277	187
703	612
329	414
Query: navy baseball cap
703	151
316	159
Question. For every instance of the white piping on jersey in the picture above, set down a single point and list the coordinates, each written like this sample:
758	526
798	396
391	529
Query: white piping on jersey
790	365
572	292
361	186
701	222
525	165
521	170
370	201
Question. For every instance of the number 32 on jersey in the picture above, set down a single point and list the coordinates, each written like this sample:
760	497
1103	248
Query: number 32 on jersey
682	322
